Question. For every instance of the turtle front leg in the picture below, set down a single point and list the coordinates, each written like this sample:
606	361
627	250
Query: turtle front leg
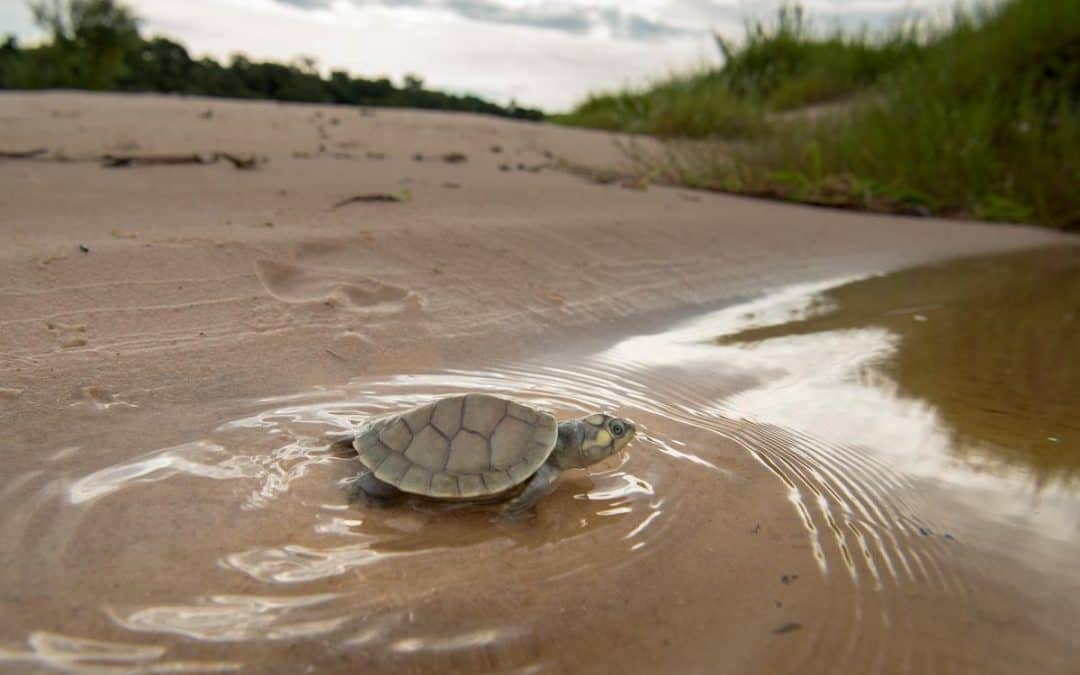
539	485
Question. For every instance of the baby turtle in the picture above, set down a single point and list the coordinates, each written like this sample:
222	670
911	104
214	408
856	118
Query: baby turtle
477	447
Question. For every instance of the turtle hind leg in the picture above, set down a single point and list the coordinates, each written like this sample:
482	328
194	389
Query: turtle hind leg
369	489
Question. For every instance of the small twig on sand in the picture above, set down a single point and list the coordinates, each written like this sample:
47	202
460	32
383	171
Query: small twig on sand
244	163
22	154
115	161
373	197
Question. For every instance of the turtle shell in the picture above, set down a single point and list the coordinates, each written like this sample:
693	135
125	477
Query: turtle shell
458	447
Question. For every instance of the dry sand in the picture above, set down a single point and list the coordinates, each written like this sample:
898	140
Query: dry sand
179	289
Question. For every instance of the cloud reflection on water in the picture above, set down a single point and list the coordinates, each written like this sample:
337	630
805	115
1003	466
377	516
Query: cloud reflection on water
957	373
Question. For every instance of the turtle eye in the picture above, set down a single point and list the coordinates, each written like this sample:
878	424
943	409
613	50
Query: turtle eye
617	428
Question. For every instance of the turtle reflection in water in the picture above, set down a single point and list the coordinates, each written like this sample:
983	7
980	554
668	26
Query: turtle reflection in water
479	447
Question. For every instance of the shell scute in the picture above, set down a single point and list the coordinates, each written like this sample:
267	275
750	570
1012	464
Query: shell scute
444	485
396	435
468	453
447	415
393	468
547	433
510	436
482	413
496	481
429	449
416	480
418	418
374	455
367	439
472	485
520	471
537	452
523	413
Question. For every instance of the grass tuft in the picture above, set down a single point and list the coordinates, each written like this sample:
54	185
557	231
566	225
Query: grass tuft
682	105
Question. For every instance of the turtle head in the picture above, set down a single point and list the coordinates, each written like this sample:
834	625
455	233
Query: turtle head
591	439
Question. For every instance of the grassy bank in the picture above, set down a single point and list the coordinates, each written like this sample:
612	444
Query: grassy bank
978	118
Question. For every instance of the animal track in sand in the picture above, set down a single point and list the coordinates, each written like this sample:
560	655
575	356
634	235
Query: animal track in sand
68	336
298	284
94	399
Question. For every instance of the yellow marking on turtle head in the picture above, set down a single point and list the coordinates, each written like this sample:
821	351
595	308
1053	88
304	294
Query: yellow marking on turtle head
602	439
595	420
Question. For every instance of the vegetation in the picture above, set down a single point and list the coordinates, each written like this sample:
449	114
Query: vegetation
695	105
976	118
96	44
778	67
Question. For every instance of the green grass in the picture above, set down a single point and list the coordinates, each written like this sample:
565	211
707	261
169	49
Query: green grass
779	66
787	65
684	105
975	119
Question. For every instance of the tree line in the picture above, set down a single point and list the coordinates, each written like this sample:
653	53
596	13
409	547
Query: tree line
97	45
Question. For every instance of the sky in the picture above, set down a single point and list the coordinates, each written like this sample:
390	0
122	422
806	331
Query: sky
546	54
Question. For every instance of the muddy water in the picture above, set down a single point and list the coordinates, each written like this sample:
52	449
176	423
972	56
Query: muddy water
865	475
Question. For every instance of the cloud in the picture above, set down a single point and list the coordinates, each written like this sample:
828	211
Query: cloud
552	69
548	54
308	4
643	20
565	17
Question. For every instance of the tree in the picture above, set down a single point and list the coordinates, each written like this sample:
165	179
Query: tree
95	44
91	40
159	64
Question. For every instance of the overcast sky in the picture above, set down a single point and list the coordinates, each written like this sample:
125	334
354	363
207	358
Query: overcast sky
545	54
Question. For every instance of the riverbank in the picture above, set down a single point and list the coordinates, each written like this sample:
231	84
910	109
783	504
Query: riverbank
212	265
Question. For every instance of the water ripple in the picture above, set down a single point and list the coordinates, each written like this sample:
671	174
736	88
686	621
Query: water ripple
253	508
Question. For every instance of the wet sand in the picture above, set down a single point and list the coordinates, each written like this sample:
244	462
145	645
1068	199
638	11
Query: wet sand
178	341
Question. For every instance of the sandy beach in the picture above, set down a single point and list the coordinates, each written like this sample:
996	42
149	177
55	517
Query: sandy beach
192	269
152	307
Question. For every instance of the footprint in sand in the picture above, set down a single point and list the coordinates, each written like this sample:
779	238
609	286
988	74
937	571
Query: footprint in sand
296	284
68	336
98	400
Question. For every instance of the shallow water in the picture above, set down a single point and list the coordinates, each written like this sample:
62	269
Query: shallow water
865	475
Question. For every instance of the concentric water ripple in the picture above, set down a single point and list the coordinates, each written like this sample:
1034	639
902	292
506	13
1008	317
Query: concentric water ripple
855	528
791	452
